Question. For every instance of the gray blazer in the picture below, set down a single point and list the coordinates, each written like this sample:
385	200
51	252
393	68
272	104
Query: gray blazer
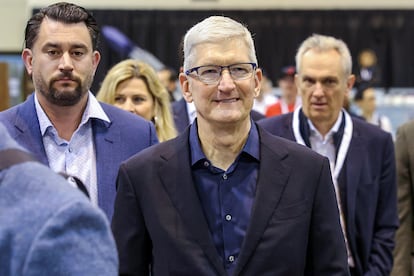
48	227
404	152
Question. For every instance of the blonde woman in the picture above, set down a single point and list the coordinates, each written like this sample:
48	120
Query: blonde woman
134	86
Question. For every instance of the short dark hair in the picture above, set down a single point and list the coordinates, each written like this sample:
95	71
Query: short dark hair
62	12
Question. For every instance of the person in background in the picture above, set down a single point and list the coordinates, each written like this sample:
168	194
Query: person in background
266	96
169	77
62	123
289	100
225	197
365	99
134	86
368	71
361	155
404	152
48	227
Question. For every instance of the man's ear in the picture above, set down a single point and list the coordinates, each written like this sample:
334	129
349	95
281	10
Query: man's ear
27	58
185	87
258	82
96	59
350	82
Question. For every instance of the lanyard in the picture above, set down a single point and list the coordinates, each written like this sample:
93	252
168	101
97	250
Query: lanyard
343	147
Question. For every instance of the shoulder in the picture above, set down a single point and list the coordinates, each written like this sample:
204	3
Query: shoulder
24	109
32	179
53	217
256	116
369	131
407	127
118	115
280	146
177	146
273	124
126	122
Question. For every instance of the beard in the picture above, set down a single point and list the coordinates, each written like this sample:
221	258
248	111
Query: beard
65	96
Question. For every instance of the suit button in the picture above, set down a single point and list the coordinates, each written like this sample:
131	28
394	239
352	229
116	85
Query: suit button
228	217
231	258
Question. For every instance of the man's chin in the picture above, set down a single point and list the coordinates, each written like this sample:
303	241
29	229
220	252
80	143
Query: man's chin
66	98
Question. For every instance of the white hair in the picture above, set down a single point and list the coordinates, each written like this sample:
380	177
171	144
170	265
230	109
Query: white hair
325	43
215	29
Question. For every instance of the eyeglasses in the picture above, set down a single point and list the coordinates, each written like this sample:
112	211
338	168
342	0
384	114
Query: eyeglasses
211	74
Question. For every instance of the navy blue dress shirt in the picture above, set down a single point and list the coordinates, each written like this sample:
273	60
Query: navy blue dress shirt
227	196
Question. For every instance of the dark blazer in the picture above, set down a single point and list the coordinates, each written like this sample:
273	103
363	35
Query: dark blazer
180	113
115	142
368	190
294	227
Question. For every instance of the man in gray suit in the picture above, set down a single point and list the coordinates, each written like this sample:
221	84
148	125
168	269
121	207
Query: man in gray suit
404	239
48	227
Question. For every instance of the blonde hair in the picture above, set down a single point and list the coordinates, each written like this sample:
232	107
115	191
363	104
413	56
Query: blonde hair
128	69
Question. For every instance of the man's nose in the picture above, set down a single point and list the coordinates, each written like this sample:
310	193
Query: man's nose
226	80
66	62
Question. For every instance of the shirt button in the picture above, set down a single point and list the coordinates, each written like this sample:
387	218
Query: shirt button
206	164
231	258
224	176
228	217
70	149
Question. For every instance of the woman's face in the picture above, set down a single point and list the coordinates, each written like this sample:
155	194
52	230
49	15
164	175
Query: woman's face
134	96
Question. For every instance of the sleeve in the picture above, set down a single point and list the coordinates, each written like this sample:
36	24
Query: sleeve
76	240
327	251
129	229
403	239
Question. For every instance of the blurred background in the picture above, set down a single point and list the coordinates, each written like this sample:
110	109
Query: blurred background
382	28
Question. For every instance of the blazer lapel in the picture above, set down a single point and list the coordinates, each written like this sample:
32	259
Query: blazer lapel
271	183
354	165
179	184
107	144
28	130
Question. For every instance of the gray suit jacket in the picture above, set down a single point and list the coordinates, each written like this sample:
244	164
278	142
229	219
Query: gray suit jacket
294	227
115	142
48	227
404	151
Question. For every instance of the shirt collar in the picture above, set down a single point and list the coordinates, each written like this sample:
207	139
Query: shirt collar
251	147
334	129
93	110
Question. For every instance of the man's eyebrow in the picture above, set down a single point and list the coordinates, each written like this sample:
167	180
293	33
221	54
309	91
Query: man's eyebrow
59	45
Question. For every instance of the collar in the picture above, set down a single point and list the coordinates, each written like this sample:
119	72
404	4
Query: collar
342	138
251	147
331	132
93	110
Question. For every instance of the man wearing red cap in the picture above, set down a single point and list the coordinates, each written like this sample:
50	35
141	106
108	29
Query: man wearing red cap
289	100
